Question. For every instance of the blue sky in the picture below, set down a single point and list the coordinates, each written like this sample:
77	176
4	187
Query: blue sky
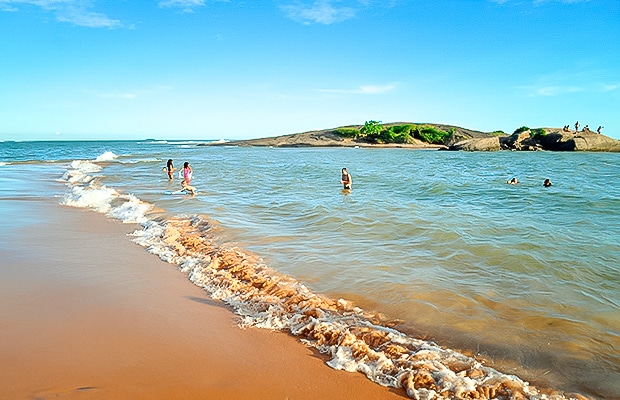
212	69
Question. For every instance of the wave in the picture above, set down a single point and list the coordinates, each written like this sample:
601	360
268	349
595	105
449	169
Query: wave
86	191
354	339
107	156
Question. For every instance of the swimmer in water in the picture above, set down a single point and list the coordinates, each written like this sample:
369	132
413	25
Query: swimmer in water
346	179
187	172
170	169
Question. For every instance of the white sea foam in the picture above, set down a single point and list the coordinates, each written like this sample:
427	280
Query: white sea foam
132	210
98	199
107	156
155	142
79	172
267	299
87	192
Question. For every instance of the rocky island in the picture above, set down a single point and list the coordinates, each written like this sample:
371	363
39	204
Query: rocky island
439	137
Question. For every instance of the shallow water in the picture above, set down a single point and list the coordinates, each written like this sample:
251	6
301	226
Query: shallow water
525	277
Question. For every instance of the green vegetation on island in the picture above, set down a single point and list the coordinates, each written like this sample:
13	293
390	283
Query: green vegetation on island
375	132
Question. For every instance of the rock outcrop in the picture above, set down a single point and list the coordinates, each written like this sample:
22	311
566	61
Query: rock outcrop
478	144
580	141
541	139
523	141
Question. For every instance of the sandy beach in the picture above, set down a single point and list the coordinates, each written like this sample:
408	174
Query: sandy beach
85	313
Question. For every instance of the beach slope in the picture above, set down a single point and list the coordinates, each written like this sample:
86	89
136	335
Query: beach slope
85	313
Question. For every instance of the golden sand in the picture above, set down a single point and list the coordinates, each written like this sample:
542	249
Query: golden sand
85	313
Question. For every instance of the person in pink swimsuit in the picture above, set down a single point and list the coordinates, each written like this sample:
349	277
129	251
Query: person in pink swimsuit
187	172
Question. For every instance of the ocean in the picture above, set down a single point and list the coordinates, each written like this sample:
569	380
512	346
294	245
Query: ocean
430	252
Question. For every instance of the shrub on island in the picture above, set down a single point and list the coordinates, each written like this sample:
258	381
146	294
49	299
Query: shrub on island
375	132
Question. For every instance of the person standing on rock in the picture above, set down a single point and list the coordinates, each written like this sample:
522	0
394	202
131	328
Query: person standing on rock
577	126
599	129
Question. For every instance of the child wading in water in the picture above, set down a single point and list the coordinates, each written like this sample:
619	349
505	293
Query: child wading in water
346	179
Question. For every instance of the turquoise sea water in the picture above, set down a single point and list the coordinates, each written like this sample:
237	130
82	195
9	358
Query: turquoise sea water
524	277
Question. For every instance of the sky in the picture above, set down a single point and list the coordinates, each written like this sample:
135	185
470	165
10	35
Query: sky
228	69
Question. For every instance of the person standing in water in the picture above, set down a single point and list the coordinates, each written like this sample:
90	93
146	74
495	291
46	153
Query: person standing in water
170	169
346	179
187	172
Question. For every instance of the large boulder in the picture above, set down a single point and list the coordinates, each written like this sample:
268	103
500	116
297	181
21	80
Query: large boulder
478	144
580	141
520	141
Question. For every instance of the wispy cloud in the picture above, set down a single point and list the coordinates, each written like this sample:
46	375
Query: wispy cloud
561	82
555	90
81	17
76	12
364	89
320	12
187	6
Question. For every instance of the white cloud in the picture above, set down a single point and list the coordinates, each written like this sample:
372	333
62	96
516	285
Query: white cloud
75	12
321	12
187	6
364	89
81	17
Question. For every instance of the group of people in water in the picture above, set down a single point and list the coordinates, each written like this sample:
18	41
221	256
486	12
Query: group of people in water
515	181
187	177
346	180
585	128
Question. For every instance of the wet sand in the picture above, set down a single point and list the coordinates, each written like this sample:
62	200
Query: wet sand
85	313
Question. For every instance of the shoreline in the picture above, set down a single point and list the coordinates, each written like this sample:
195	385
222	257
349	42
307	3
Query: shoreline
90	313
